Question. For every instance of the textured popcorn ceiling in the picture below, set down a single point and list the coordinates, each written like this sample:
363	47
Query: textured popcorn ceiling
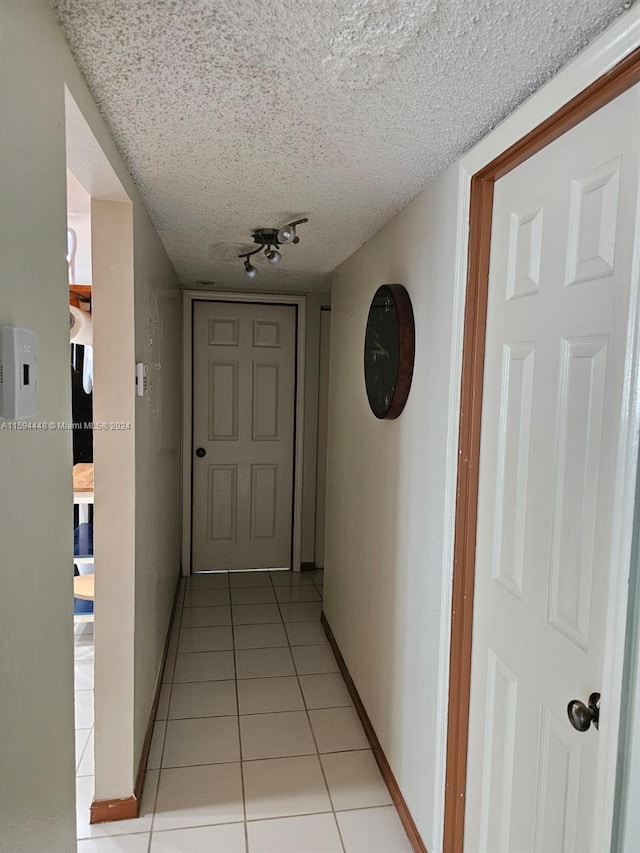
237	115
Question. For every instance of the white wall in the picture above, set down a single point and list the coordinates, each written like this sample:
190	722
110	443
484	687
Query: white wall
36	648
115	497
385	492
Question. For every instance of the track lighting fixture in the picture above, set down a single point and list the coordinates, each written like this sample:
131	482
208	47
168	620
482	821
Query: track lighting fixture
269	240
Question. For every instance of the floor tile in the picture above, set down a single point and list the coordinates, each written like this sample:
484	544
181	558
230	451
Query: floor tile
244	579
255	614
291	579
84	651
253	595
259	636
303	612
266	695
199	796
172	648
263	663
284	786
338	729
84	709
206	740
276	735
206	597
163	702
157	744
83	674
327	690
82	737
310	660
169	668
297	593
306	634
204	666
308	834
208	580
119	844
202	617
203	699
87	764
228	838
354	780
373	831
212	639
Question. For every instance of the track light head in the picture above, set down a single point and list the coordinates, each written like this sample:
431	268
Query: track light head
269	240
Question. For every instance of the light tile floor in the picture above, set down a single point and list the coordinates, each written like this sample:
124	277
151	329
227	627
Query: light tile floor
257	747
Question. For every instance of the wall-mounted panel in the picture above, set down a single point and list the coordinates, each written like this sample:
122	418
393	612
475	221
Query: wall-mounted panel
582	389
513	466
266	402
264	501
223	401
222	503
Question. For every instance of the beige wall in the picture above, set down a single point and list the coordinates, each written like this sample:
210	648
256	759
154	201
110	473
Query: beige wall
36	545
386	483
312	371
158	307
36	647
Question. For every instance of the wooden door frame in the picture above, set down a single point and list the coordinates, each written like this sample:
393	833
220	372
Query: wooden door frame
603	90
300	302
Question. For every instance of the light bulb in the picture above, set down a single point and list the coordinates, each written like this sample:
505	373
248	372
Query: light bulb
249	270
286	234
273	256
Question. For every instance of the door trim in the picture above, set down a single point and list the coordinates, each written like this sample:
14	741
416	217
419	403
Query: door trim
604	89
300	301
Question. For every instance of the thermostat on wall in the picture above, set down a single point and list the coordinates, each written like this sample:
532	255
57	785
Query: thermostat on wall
18	373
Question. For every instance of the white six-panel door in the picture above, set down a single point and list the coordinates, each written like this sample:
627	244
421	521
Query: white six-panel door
243	420
564	227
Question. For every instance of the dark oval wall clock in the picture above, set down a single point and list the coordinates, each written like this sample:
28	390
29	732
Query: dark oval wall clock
389	349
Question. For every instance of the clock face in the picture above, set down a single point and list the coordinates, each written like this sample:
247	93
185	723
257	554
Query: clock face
389	350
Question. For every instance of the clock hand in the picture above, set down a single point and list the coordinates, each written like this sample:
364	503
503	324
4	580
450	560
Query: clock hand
380	350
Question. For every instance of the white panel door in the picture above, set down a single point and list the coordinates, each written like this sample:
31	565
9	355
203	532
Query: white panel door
243	435
564	227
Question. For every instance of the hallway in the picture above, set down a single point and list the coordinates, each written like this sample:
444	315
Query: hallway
257	747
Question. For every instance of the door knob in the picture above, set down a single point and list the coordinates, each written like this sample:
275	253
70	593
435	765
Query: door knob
581	716
201	452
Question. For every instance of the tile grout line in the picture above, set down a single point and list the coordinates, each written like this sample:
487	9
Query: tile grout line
175	627
318	753
236	680
235	670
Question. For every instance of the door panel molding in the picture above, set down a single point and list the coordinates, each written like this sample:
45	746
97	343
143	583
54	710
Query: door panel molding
268	338
479	186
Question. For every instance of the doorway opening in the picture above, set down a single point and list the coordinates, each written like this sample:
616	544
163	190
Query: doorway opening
267	391
603	91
